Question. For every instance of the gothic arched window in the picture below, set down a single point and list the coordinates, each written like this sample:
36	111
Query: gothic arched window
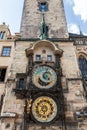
83	66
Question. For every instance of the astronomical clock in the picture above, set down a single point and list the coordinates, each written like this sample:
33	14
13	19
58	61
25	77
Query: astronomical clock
44	77
45	104
44	108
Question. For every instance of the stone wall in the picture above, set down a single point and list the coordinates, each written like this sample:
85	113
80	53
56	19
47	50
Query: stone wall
7	124
20	60
6	61
69	62
70	79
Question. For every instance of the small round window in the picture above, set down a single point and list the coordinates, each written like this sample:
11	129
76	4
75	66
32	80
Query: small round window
43	6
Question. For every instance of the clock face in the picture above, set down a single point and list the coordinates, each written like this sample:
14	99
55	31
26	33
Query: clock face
44	77
44	109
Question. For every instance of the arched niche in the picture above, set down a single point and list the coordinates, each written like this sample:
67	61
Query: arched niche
44	49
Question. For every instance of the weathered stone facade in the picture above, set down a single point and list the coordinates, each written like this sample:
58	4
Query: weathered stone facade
21	97
54	17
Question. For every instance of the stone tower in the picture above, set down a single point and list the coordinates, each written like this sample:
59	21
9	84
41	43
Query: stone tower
54	17
43	89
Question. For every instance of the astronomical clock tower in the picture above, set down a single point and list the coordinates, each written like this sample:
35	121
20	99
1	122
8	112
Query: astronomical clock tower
44	76
43	23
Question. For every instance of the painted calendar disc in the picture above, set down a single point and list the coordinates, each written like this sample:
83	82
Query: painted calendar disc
44	109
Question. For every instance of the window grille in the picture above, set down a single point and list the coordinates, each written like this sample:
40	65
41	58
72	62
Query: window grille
6	51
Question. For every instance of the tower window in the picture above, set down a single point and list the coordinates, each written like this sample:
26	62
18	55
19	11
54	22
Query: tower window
2	74
43	6
49	57
6	51
38	57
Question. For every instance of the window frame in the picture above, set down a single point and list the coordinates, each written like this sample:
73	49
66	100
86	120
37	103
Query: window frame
37	57
45	4
5	73
2	35
49	56
82	66
21	83
20	76
3	51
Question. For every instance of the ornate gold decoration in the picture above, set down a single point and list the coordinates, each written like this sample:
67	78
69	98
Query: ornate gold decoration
44	77
29	102
44	109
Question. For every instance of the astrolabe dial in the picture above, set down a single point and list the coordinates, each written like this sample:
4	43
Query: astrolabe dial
44	109
44	77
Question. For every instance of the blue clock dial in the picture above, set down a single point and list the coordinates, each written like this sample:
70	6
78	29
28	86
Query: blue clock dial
44	77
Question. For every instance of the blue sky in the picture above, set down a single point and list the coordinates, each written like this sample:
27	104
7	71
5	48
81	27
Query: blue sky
10	13
76	15
75	10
